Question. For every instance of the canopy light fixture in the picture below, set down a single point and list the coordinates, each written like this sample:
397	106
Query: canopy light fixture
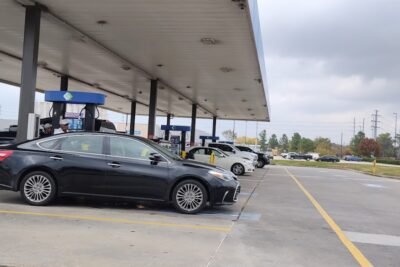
160	65
161	87
188	87
140	92
42	64
209	41
95	84
244	100
101	22
226	69
249	109
205	99
180	98
252	114
125	67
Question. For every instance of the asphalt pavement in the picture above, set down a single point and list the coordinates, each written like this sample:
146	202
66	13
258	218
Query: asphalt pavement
286	216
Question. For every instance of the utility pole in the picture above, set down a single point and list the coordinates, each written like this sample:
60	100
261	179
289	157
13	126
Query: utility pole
363	129
256	134
354	127
395	129
375	122
245	133
233	133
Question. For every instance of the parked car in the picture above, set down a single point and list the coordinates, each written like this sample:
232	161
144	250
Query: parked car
294	155
231	149
112	165
233	163
352	158
328	159
262	158
284	155
313	155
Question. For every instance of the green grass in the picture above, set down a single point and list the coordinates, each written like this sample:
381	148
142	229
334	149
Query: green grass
365	168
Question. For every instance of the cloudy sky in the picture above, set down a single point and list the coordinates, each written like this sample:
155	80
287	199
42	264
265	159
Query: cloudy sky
328	62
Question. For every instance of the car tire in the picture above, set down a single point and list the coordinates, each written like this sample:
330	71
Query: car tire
238	169
260	163
38	188
189	197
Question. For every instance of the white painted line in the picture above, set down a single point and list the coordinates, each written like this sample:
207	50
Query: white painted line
375	185
375	239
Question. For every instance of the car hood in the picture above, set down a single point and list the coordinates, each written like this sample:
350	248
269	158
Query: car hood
197	164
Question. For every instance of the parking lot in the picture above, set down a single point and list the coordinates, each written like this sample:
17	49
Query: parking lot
284	217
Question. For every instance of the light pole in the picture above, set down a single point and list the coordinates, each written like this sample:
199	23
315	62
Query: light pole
395	134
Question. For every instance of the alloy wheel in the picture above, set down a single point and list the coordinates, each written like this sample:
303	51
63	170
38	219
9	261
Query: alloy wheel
37	188
238	169
189	197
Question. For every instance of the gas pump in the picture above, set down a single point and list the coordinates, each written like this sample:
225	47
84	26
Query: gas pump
61	98
204	138
174	139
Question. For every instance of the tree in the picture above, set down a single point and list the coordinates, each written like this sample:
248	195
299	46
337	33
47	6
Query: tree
284	143
355	142
386	144
323	146
263	140
295	142
306	145
369	147
229	135
273	142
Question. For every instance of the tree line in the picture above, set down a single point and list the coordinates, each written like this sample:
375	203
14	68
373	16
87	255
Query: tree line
360	145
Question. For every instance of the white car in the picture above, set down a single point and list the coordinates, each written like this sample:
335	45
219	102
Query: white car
232	150
235	164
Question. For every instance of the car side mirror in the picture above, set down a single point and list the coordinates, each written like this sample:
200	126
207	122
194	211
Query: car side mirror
155	158
234	151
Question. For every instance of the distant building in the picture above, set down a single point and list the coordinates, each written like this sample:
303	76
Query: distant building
5	124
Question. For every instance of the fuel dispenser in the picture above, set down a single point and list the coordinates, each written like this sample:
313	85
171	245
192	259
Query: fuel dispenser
62	98
174	139
205	137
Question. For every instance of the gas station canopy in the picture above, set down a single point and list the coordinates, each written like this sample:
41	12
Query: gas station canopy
204	52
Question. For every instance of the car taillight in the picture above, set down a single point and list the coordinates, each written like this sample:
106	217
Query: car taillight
5	154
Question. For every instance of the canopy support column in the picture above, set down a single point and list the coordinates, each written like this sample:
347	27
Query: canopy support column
29	69
193	126
152	109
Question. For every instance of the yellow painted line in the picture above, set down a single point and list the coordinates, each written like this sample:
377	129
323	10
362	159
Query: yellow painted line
357	254
116	220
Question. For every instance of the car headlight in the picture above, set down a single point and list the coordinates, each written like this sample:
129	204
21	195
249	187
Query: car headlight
220	175
246	158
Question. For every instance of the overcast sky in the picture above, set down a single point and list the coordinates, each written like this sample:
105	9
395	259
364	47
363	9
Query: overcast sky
328	61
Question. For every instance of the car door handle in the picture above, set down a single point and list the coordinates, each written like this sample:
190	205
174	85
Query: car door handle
114	164
56	157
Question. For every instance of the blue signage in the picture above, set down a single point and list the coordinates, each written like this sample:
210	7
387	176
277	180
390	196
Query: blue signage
206	137
175	128
72	97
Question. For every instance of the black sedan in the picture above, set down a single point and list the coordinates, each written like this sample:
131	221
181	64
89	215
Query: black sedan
262	158
111	165
328	159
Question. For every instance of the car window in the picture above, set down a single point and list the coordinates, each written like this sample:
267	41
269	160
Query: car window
200	151
129	148
226	148
217	153
52	144
82	143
